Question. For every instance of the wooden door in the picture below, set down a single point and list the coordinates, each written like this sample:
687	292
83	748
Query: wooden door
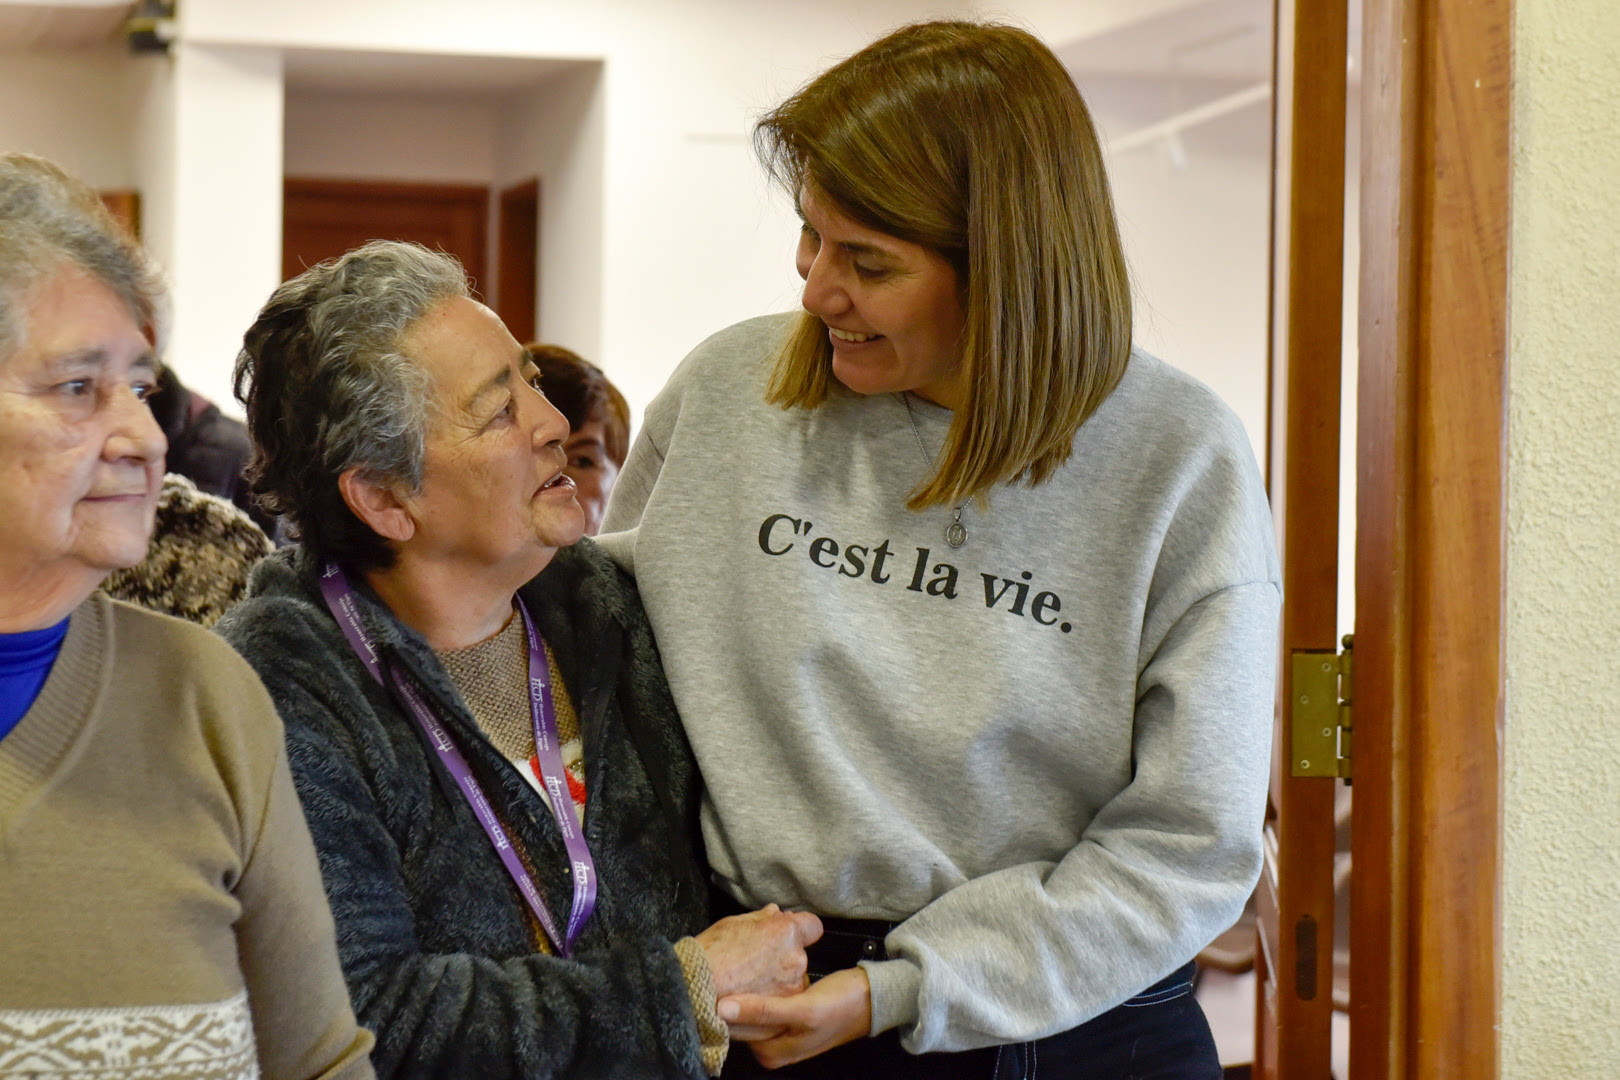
1425	916
519	233
321	219
1294	960
125	207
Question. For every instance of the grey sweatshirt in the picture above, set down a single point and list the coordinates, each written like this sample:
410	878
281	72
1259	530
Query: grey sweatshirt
1046	751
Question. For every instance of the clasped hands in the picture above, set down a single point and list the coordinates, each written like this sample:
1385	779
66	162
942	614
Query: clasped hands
767	999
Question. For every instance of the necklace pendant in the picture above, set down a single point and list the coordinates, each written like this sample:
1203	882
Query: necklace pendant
956	534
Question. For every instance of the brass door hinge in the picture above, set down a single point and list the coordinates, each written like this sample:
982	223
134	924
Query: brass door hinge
1320	727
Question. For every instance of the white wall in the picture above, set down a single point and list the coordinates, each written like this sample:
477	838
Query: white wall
417	139
1197	239
76	107
209	168
1196	242
1561	814
689	239
198	135
1059	22
154	168
557	132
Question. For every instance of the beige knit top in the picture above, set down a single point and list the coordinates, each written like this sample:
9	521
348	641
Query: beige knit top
161	908
493	678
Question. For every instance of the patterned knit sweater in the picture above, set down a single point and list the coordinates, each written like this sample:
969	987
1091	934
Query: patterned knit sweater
198	563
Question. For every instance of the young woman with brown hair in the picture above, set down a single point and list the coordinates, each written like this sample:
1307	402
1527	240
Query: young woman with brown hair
969	609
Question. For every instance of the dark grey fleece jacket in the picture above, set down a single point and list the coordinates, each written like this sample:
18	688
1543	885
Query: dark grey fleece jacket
434	937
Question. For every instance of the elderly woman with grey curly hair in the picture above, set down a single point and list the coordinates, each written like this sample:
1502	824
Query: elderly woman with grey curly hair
503	801
161	900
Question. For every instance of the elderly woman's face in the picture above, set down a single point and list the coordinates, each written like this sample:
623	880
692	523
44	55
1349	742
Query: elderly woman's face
494	494
81	458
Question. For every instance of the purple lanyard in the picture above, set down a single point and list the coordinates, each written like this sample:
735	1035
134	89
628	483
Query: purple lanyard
339	596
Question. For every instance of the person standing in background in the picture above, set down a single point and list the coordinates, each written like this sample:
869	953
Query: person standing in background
969	609
598	421
207	447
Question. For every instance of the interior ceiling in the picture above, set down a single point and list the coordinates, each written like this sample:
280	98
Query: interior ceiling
63	24
413	74
1215	39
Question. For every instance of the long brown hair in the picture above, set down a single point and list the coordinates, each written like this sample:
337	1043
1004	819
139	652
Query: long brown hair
971	140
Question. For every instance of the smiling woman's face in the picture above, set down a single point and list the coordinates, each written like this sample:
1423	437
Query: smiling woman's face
893	309
81	458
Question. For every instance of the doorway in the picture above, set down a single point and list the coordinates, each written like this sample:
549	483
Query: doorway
1423	693
322	219
448	150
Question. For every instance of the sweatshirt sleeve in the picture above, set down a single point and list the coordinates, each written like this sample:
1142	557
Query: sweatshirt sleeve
1165	865
302	1020
635	484
624	1010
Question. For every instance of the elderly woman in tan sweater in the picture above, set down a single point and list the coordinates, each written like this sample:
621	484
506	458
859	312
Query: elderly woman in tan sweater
161	910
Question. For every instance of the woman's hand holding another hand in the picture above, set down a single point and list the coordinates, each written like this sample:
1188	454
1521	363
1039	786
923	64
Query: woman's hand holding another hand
760	953
783	1030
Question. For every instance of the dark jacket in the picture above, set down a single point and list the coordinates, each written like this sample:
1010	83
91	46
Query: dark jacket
207	447
435	940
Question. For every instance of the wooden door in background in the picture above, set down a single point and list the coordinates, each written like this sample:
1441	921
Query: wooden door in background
1294	901
519	239
322	219
125	207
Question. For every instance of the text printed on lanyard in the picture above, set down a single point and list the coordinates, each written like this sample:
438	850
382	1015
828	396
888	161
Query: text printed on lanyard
340	598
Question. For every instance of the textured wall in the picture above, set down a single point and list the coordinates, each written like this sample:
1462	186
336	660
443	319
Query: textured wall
1561	878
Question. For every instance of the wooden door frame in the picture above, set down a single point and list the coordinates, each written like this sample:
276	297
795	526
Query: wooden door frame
1294	899
517	256
1431	491
124	204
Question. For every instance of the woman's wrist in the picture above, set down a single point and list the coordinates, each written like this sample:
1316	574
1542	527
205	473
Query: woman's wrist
714	1036
894	986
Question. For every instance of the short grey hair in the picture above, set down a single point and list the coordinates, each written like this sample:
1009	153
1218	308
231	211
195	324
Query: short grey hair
328	387
48	221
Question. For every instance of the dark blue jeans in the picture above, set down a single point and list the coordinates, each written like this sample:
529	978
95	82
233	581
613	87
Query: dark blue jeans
1160	1034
